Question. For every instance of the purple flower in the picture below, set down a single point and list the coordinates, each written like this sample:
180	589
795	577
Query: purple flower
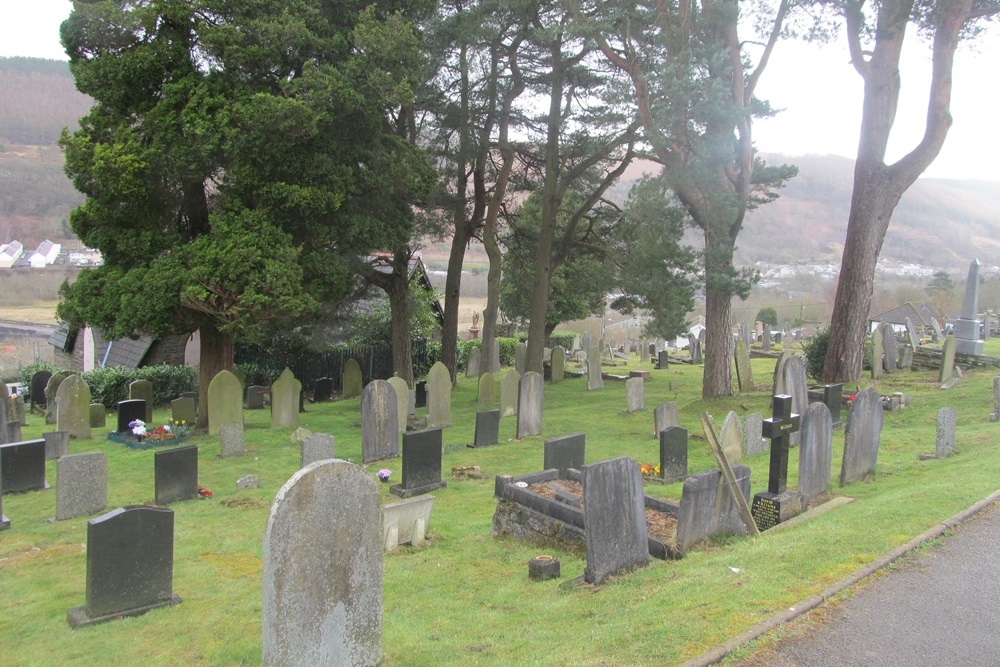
383	474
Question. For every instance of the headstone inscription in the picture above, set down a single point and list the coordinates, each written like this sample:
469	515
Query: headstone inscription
438	396
56	444
322	390
402	400
81	485
255	397
182	411
231	441
487	428
594	378
777	504
350	382
614	519
422	452
22	466
225	401
286	392
128	412
673	454
316	447
130	565
322	562
487	391
558	364
530	395
143	389
379	425
98	415
816	452
509	387
861	436
176	474
472	363
73	408
565	452
635	394
664	415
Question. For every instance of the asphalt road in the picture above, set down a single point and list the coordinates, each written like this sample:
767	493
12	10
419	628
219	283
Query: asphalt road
938	608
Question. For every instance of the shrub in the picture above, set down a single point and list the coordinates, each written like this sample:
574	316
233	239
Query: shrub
564	338
108	386
24	373
815	351
259	372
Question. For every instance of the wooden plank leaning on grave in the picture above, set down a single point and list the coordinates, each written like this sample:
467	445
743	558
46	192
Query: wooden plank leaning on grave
728	476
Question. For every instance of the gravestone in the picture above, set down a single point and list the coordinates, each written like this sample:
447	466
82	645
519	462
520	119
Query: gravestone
255	397
816	452
322	390
231	440
662	360
73	408
697	355
379	422
322	562
509	387
225	401
664	415
643	351
182	411
635	394
744	372
878	354
558	364
402	400
586	342
594	379
128	412
832	397
17	402
995	416
520	357
778	504
36	389
51	387
906	357
56	444
4	521
350	382
406	521
5	430
765	341
753	442
778	380
22	466
967	326
911	334
420	395
487	428
422	451
248	482
98	415
176	474
708	509
889	346
565	452
797	387
947	359
673	454
81	485
472	363
130	565
529	404
731	438
438	396
937	329
945	433
286	393
143	390
615	519
861	436
317	447
487	391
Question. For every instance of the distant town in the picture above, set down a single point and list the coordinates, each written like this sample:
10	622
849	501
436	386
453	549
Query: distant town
14	256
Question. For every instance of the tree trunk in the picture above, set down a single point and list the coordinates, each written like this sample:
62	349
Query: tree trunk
452	290
718	378
399	303
216	356
491	314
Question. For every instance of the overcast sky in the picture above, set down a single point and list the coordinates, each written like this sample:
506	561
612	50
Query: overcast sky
816	87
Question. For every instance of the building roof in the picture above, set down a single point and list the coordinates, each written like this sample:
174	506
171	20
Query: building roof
62	338
415	268
45	247
127	352
12	250
920	314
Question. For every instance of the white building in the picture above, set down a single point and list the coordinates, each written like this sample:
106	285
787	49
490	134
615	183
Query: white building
10	253
44	255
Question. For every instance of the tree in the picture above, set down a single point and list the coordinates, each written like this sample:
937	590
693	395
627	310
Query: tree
875	42
940	282
767	315
235	156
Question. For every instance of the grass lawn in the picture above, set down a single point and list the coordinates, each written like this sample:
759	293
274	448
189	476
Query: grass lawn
465	598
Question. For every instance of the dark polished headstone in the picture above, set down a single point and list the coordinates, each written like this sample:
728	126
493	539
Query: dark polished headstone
777	504
36	390
129	411
673	454
176	473
130	565
662	360
22	466
255	397
832	396
487	428
421	397
421	463
323	390
565	452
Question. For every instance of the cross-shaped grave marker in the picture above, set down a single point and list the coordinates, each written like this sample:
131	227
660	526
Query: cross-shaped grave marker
777	504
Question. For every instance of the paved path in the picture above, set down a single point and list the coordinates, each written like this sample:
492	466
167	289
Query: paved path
940	607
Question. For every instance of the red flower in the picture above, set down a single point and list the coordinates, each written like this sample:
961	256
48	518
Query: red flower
203	492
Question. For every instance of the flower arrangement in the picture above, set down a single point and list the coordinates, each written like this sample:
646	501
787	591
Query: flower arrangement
384	474
140	436
649	470
203	492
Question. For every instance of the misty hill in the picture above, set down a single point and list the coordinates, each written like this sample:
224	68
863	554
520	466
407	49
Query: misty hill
37	100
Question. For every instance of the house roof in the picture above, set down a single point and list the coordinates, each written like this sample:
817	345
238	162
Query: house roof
415	268
920	314
45	247
62	338
12	250
127	352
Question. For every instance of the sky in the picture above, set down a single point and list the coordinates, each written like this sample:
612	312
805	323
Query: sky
815	86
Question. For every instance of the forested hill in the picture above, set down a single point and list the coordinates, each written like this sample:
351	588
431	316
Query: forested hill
37	100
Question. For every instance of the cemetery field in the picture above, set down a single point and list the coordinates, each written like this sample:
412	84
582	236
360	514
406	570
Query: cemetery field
464	597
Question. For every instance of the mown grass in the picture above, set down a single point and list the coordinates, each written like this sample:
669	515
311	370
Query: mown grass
465	598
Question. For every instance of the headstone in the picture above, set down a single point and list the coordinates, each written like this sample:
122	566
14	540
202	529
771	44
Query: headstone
225	401
708	509
906	357
322	390
878	354
995	416
36	389
231	440
130	565
520	357
128	412
861	436
143	390
286	392
22	466
529	404
438	396
322	590
176	474
422	451
945	433
50	394
98	415
255	397
594	378
753	442
19	412
797	387
889	346
558	363
765	341
317	447
938	335
487	391
402	400
379	421
662	360
420	394
73	408
664	415
816	452
777	504
911	334
967	326
615	519
56	444
673	454
81	485
248	482
744	372
947	359
472	364
779	372
832	397
635	394
731	438
509	387
351	379
643	351
5	429
182	411
4	521
487	428
406	521
565	452
587	342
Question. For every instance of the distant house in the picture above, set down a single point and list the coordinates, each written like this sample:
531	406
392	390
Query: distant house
920	315
44	255
10	253
87	348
